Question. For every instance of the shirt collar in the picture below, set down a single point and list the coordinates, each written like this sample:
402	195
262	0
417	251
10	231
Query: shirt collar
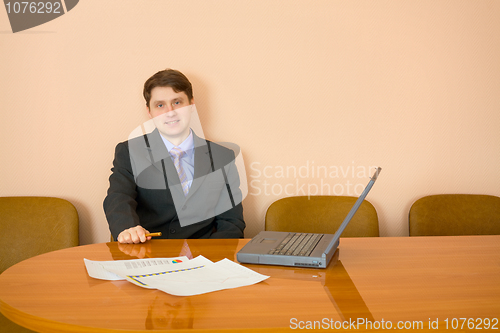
186	146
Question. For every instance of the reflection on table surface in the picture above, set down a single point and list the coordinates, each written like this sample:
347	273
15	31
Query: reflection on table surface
396	279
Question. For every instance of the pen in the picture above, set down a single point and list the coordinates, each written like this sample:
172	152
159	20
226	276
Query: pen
153	234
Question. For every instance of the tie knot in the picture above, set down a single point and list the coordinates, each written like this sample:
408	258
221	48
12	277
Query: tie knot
177	152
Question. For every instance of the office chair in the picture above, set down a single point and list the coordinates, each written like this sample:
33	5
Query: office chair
30	226
322	214
455	214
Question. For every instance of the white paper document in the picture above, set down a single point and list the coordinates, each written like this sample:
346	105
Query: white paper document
104	269
177	276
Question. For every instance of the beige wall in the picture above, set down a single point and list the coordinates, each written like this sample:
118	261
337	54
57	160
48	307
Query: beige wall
412	86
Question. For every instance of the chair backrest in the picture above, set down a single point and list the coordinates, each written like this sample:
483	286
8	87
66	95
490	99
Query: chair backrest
455	214
30	226
322	214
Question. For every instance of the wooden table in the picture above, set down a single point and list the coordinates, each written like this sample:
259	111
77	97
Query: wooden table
405	281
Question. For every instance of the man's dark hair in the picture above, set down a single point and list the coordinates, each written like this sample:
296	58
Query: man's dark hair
168	78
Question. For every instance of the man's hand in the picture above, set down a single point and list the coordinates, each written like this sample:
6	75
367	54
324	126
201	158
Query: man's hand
133	235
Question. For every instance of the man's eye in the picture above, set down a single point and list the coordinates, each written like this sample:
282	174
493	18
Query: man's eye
160	105
177	103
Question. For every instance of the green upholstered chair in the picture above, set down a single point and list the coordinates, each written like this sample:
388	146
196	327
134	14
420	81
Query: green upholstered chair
455	214
30	226
322	214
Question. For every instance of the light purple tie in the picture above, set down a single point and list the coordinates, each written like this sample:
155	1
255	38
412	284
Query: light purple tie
177	153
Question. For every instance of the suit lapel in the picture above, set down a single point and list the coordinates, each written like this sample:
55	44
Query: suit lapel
202	164
156	153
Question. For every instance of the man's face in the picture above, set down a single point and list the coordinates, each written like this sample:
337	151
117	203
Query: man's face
171	112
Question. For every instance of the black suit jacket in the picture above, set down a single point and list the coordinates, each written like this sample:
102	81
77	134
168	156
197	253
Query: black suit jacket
144	189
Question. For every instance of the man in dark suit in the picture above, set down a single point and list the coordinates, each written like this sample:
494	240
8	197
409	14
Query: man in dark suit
171	180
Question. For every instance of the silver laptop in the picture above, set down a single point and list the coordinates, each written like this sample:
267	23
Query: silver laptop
298	249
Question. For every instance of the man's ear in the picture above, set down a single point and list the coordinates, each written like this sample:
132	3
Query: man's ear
149	112
192	100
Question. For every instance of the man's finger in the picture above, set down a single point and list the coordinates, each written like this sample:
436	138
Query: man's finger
124	237
141	234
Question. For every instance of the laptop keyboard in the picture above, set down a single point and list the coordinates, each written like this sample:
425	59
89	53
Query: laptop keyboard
297	244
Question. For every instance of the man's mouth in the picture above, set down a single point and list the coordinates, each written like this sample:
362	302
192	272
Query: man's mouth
172	122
